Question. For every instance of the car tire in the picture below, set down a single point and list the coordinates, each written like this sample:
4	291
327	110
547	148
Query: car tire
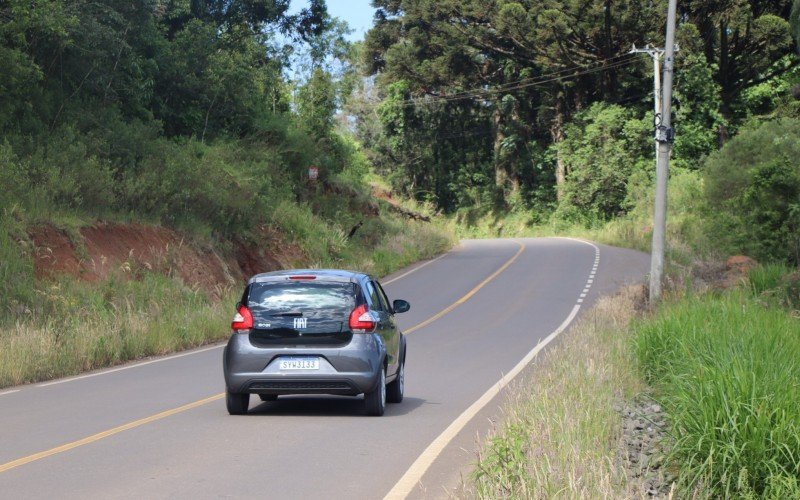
237	403
268	397
394	391
375	400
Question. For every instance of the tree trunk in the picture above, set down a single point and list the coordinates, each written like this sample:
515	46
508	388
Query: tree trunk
557	133
500	174
506	179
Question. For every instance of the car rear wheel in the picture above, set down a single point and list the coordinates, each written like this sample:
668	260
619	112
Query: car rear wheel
394	391
268	397
237	403
375	401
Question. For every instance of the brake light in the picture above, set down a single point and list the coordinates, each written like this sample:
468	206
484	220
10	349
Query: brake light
361	320
242	320
308	277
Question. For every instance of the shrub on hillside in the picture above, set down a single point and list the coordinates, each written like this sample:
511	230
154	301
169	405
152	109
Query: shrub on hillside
753	186
604	146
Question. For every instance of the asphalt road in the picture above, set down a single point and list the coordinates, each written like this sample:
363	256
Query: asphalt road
159	429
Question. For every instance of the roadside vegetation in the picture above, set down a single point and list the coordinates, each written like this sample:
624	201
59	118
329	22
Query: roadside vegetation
181	115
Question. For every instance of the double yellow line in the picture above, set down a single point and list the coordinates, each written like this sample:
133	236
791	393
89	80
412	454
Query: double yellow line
164	414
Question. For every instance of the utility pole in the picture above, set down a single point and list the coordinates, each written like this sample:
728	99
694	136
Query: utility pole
665	135
654	54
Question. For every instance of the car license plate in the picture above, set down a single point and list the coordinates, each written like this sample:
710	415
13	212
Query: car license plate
299	364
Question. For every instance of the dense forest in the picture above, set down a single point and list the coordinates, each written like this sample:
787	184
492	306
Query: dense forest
96	97
541	107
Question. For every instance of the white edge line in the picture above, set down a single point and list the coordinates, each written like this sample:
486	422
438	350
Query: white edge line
9	392
127	367
414	269
408	482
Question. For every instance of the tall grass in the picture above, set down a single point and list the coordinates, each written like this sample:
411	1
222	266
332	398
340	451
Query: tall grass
16	268
766	277
561	433
728	371
80	326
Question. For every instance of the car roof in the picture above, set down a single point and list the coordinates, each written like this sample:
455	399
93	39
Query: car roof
335	275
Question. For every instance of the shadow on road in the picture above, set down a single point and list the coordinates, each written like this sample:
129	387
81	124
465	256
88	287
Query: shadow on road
326	406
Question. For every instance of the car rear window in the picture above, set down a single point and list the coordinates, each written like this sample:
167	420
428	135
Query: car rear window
312	299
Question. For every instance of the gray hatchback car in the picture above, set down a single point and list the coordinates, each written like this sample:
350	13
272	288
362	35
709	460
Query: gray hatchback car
315	332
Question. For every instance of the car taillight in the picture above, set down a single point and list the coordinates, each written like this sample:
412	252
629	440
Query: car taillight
243	320
362	320
303	277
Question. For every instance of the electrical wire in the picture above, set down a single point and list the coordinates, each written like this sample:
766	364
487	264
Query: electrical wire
564	74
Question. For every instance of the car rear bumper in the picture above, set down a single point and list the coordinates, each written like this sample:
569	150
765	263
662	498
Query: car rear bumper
347	370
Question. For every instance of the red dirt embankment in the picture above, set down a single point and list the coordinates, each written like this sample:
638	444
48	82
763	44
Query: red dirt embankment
95	252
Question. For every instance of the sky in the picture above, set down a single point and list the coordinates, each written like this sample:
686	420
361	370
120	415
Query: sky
357	13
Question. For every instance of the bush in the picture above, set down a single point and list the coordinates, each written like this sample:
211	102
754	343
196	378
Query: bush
753	186
776	284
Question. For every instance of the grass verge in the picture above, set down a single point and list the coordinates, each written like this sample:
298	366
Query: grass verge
79	326
723	365
561	432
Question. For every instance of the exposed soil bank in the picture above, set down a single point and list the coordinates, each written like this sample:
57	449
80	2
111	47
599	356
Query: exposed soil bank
95	252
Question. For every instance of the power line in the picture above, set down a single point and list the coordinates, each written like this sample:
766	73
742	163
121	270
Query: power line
564	74
534	79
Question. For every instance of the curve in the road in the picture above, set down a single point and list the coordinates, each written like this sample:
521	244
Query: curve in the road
312	446
411	478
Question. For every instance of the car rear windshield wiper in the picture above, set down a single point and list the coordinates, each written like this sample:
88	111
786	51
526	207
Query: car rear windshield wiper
287	314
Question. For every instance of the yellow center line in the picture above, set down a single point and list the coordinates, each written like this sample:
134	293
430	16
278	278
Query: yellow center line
164	414
470	293
105	434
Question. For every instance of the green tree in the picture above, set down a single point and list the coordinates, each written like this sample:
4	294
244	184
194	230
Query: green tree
604	146
753	187
316	103
531	53
746	42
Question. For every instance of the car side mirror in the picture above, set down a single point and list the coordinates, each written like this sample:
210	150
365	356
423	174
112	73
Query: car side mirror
400	306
